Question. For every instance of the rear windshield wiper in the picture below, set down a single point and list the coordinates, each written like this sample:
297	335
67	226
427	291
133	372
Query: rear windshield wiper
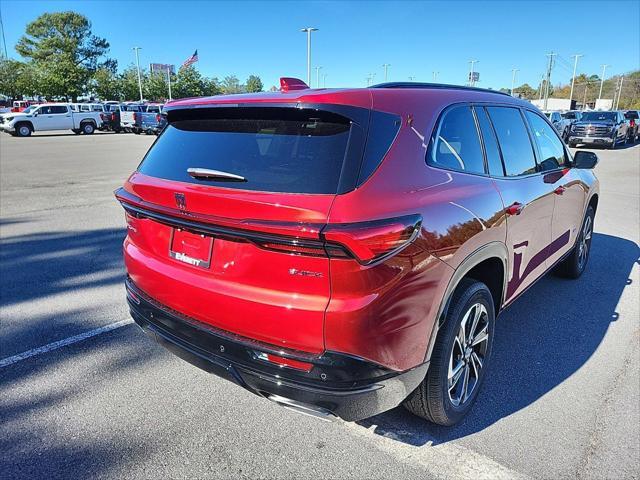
205	173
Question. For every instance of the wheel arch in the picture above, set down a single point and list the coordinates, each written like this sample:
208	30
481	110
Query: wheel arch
24	122
487	264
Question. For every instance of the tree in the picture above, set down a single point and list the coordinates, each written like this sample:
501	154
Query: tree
62	46
155	86
189	83
10	73
231	84
129	83
212	86
254	84
106	85
525	91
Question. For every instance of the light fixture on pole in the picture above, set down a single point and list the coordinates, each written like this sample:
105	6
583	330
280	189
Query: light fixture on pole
136	49
472	81
386	68
308	31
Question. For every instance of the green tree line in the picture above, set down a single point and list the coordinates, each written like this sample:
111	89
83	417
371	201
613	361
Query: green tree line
63	59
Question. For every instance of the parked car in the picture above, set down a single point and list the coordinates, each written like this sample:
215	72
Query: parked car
149	123
87	107
599	128
127	118
21	105
111	118
572	115
342	253
51	116
560	123
632	116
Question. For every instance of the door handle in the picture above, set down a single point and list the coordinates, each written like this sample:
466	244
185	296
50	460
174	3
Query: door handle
514	209
560	190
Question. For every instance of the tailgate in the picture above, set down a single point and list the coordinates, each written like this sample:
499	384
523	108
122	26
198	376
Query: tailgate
243	255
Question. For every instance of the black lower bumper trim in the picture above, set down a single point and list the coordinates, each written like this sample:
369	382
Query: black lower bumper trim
342	385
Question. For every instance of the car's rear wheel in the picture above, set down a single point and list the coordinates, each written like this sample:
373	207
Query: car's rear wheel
88	128
23	130
460	357
576	261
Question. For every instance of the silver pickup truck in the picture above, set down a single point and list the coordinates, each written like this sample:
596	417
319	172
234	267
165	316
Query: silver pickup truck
48	117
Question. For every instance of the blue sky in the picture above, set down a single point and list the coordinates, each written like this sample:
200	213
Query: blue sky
356	38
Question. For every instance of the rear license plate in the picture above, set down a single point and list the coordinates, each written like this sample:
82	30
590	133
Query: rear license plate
191	248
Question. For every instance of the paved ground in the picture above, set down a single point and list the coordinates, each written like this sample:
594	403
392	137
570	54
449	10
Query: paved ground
562	399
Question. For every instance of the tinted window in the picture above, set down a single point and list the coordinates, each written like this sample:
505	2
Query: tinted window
58	109
631	115
383	128
490	143
549	145
599	116
517	151
275	149
456	145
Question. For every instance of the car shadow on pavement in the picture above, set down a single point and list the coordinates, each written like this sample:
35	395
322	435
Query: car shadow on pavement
540	341
40	264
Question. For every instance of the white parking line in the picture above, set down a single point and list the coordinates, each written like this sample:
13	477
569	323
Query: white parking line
5	362
446	460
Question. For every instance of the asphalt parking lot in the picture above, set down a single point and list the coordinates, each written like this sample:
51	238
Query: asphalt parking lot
562	399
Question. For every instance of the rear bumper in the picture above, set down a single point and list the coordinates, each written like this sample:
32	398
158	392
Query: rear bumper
337	385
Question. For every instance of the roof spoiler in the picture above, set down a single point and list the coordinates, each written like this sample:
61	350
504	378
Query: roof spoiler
289	83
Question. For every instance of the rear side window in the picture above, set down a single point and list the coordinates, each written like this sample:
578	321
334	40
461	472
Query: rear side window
550	147
517	151
490	143
58	109
287	150
455	145
631	115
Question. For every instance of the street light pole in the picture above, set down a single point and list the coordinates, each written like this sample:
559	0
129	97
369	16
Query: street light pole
308	30
604	68
573	79
386	67
472	83
435	76
169	81
136	49
513	79
317	76
324	80
619	91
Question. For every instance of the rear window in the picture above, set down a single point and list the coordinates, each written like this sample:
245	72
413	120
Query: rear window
631	115
290	150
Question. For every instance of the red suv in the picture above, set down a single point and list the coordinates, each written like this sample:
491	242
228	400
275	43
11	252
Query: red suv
341	252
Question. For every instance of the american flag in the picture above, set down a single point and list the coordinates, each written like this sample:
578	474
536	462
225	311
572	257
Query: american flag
191	60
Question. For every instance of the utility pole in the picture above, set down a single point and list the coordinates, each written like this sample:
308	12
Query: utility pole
472	83
4	40
136	49
604	68
548	82
317	76
308	30
619	92
513	79
386	68
169	81
540	87
584	99
573	79
435	76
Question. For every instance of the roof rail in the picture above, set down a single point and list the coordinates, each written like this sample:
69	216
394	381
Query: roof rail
435	86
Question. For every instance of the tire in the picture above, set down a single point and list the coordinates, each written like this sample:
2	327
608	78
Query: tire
88	128
434	399
23	130
576	262
76	131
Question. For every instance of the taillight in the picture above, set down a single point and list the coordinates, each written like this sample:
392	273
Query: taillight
285	362
136	116
633	123
371	241
158	118
113	117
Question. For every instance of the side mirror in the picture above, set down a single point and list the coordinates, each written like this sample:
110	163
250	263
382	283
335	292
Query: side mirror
585	160
35	114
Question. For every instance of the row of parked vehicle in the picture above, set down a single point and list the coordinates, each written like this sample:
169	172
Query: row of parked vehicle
604	128
83	118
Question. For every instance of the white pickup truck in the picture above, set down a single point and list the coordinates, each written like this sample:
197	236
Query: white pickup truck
49	116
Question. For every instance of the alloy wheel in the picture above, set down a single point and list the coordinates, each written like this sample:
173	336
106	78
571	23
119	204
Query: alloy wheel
468	354
585	242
